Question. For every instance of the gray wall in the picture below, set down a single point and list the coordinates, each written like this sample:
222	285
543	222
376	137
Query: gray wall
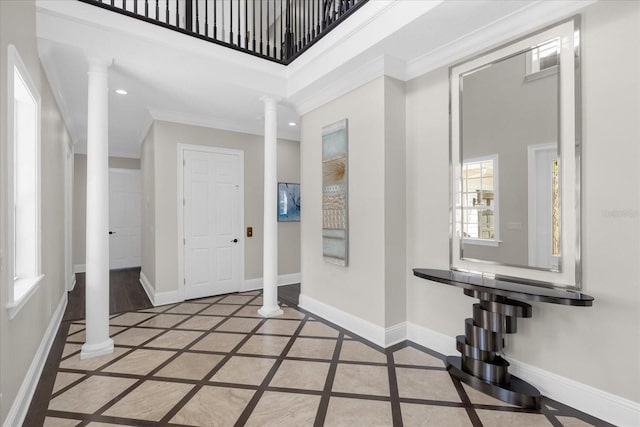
598	346
80	201
372	285
21	336
165	138
495	120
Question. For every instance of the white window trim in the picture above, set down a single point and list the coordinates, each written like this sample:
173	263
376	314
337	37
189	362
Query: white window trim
495	242
28	285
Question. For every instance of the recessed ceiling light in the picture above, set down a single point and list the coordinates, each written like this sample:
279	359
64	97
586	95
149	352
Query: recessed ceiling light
121	91
292	123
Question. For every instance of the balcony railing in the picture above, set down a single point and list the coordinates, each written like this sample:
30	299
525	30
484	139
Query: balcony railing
277	30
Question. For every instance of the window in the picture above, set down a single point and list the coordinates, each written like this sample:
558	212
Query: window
479	201
23	166
542	60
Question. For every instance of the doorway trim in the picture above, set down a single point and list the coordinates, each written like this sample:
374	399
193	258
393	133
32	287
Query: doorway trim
180	207
532	194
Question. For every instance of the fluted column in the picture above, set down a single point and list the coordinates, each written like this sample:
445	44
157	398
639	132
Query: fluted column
270	306
97	340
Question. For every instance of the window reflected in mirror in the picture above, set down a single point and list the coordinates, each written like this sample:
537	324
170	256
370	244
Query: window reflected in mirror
479	200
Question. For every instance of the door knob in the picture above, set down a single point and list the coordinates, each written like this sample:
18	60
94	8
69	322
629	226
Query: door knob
234	241
112	232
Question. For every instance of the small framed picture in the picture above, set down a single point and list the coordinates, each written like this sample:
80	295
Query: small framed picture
288	202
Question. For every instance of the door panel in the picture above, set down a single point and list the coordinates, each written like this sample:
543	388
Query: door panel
212	221
125	218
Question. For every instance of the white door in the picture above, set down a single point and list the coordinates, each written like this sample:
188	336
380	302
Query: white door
213	222
125	218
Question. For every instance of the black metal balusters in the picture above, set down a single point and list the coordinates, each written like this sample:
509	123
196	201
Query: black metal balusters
268	42
246	24
197	19
260	28
302	22
239	30
230	22
215	20
188	16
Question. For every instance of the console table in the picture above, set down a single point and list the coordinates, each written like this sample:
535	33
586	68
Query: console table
480	365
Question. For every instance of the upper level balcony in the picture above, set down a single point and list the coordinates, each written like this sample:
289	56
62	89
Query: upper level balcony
277	30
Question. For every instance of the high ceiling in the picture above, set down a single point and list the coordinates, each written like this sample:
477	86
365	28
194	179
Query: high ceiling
174	77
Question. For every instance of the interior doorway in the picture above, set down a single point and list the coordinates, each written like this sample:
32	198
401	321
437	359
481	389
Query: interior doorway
125	218
211	212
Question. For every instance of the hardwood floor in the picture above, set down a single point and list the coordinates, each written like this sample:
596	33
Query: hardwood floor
125	294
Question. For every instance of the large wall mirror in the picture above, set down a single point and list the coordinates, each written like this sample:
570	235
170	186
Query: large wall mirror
515	156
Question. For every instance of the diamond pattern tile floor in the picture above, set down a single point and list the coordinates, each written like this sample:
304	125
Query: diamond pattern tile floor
215	362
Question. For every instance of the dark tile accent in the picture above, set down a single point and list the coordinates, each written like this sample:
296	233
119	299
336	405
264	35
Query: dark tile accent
39	407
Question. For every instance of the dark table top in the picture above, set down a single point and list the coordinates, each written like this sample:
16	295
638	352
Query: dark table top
505	287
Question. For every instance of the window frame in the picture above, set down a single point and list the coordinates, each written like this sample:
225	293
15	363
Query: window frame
27	285
495	241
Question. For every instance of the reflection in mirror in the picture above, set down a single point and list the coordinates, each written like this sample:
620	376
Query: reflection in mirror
509	146
515	157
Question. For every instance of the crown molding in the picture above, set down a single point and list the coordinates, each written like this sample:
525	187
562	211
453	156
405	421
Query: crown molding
508	27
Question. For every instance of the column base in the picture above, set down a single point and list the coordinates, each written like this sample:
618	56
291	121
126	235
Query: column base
265	311
516	391
94	350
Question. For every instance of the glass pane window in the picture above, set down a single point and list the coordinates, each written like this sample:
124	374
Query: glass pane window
479	198
23	165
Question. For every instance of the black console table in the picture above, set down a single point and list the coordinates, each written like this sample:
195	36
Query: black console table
480	365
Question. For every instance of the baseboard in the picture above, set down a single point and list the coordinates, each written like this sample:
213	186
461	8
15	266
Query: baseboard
368	330
395	334
588	399
20	405
73	283
79	268
443	344
159	298
599	403
283	279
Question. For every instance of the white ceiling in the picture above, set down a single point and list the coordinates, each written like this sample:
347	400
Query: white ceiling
174	77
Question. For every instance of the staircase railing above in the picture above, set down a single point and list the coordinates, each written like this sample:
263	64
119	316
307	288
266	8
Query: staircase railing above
277	30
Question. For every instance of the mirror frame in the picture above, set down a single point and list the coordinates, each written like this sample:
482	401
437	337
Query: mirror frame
569	274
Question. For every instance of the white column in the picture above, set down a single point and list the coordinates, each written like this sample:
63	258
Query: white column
270	306
97	341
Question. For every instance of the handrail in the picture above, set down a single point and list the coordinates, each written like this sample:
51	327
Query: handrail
277	30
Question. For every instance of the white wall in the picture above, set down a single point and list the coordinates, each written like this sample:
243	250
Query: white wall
597	346
80	201
21	337
165	139
371	287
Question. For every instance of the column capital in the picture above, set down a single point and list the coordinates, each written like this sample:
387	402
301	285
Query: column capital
270	100
99	63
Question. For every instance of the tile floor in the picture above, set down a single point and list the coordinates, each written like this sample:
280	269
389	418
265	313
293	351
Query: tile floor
215	362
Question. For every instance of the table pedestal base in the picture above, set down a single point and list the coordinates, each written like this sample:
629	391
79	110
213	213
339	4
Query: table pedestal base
517	392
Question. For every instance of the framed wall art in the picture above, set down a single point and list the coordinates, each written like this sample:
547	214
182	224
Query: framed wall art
288	202
335	186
